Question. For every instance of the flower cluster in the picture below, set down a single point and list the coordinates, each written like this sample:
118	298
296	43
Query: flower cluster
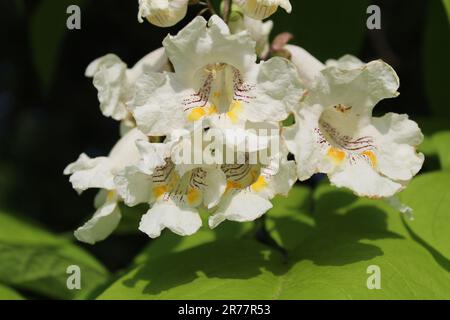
218	93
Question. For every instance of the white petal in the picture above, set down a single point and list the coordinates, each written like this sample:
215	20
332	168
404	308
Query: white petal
197	45
364	181
239	206
162	13
346	62
101	225
158	103
109	78
277	91
183	221
308	66
125	152
215	185
133	186
261	9
90	173
155	61
152	155
397	155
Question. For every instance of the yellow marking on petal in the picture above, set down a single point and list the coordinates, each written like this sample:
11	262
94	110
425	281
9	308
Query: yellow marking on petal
372	157
196	114
212	110
233	185
193	196
110	195
336	155
235	110
259	184
159	190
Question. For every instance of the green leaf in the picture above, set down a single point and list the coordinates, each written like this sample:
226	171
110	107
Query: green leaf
7	293
47	29
35	260
429	196
429	127
441	141
447	8
344	236
436	53
306	23
289	221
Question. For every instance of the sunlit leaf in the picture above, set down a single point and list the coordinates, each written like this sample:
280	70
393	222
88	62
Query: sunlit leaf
36	260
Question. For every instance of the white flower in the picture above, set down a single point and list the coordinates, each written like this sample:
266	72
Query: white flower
162	13
175	199
216	74
250	187
259	31
261	9
115	83
307	65
99	173
335	133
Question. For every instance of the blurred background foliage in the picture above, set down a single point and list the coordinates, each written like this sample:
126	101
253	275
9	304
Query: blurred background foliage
49	112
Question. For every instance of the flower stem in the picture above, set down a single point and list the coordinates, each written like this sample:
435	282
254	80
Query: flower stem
211	7
226	10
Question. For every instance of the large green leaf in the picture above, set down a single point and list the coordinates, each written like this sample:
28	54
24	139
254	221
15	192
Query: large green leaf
36	260
7	293
441	141
429	195
339	240
436	53
310	24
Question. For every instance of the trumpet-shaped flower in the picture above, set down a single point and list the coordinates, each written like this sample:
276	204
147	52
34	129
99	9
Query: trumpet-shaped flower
115	82
250	187
216	75
175	199
86	173
261	9
162	13
335	132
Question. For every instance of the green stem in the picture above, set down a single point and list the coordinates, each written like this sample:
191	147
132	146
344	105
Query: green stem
226	10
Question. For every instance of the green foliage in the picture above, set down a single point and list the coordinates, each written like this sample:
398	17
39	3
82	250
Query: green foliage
330	244
436	58
7	293
441	141
447	8
35	260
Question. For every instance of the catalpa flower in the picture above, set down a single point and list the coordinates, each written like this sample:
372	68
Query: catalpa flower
175	199
250	187
216	75
115	82
335	132
86	173
261	9
162	13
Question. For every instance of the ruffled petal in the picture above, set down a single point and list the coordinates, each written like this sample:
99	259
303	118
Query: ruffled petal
162	13
181	220
133	186
101	225
114	90
308	66
88	173
276	92
241	206
261	9
397	157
